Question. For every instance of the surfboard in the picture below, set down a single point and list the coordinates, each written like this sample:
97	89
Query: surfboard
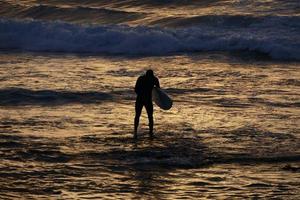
161	98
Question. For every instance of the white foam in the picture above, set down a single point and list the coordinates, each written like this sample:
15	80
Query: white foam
279	42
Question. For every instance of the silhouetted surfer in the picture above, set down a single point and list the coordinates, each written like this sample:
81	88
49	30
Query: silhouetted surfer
143	89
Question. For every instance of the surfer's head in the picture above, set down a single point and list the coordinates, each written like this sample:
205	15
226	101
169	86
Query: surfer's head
149	73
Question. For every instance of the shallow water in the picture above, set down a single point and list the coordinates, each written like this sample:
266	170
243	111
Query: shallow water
66	127
66	120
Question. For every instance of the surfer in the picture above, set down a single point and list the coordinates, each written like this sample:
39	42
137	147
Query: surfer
143	89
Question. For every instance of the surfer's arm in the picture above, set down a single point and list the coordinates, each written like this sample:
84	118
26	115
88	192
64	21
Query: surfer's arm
137	86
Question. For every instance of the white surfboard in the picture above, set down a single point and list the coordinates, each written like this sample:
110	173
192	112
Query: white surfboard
161	99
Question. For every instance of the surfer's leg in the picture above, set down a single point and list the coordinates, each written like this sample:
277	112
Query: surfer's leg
149	108
138	111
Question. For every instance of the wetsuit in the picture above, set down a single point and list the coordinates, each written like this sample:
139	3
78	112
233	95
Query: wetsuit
143	89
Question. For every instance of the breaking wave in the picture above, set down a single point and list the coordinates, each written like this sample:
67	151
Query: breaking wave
275	36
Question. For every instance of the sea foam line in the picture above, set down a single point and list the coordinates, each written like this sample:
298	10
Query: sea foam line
36	35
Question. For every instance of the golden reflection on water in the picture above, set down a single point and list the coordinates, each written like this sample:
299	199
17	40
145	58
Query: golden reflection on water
74	139
148	13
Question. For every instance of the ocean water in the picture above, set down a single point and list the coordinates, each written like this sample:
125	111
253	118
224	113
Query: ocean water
67	72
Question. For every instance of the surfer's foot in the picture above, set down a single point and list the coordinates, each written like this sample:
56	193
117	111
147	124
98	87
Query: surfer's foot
151	134
135	135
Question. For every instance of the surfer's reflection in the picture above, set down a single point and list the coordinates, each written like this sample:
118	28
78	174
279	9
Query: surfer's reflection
143	89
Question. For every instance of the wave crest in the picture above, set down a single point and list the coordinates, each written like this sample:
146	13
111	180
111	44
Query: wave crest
34	35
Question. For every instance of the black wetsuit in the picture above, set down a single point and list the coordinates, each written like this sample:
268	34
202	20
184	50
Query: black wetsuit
143	89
